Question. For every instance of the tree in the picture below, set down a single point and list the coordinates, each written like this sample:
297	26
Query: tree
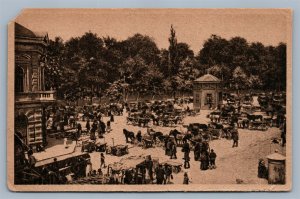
54	58
254	82
221	71
164	62
154	79
239	78
186	74
115	92
215	51
184	52
143	46
173	53
281	66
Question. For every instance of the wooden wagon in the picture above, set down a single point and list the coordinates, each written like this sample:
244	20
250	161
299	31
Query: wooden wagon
176	166
118	150
258	125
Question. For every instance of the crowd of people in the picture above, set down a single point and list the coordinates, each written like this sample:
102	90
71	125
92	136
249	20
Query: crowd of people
183	142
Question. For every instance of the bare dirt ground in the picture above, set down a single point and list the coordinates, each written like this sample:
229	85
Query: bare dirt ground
232	163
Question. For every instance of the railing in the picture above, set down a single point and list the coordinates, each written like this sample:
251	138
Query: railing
35	96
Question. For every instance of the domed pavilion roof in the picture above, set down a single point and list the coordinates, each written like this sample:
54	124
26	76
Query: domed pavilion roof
23	32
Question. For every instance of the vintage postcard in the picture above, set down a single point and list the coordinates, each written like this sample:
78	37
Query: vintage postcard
150	100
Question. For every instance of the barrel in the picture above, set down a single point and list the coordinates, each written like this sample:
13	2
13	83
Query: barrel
276	168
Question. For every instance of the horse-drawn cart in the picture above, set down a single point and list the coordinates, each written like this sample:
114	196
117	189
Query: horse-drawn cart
258	125
176	166
118	150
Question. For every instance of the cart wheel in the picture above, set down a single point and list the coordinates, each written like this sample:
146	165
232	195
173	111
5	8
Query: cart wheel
172	123
160	123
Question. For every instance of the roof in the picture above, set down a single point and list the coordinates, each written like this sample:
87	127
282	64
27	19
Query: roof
276	156
23	32
208	78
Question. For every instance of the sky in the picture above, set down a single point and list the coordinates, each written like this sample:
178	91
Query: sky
192	26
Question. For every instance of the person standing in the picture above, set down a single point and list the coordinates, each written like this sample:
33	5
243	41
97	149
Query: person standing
103	127
186	150
212	159
197	150
204	161
169	147
168	173
160	175
139	136
102	161
112	117
88	126
262	169
108	128
235	137
100	132
94	126
150	168
100	173
186	179
79	130
173	150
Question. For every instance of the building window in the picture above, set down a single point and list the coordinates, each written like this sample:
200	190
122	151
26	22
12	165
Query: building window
19	79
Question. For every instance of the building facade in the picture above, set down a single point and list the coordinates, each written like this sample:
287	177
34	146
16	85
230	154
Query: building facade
207	91
31	98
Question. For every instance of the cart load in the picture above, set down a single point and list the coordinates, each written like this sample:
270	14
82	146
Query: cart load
118	150
176	166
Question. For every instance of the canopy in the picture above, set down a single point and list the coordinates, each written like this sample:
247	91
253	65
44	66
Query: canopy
128	163
172	163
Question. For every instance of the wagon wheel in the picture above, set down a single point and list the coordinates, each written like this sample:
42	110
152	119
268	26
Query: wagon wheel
264	127
150	123
171	123
160	123
108	150
135	122
92	148
179	121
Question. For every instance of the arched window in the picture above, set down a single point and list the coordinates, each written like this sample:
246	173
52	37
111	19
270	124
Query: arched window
19	79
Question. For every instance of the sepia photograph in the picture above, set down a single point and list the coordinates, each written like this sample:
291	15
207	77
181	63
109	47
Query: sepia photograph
151	100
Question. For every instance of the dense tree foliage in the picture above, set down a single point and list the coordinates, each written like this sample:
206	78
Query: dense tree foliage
248	65
91	65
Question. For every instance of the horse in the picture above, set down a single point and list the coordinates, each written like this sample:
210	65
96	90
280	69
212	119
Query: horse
128	134
252	117
157	135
